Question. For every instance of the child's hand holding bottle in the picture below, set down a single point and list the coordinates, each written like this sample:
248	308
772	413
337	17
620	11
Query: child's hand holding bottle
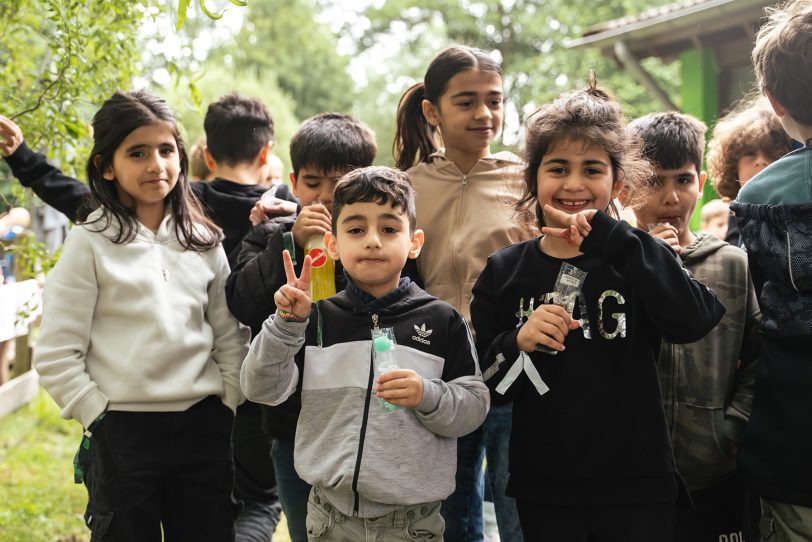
547	326
313	219
401	387
292	300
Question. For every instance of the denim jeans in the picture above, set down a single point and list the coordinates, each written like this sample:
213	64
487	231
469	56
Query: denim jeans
462	510
293	491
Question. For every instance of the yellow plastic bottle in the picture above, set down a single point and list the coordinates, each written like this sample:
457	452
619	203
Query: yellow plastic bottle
322	269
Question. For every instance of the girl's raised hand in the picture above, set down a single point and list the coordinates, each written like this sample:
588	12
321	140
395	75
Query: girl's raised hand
548	325
576	228
11	136
293	297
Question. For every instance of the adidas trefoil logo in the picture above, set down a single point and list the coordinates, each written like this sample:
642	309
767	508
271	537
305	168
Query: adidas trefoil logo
422	334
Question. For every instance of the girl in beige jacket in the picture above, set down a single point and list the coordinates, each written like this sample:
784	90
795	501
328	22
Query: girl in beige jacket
465	200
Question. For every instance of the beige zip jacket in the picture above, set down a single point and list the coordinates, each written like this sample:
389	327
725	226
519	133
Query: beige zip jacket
465	218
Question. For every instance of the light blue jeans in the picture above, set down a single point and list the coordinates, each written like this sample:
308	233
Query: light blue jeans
462	510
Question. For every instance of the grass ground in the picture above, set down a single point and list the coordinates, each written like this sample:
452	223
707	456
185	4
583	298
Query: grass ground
38	500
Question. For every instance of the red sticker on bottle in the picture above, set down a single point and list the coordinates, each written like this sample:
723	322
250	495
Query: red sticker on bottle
317	257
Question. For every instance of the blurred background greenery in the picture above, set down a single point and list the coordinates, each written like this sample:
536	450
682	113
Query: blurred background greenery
61	58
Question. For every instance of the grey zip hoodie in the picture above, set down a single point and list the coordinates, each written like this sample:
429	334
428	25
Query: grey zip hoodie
708	385
366	462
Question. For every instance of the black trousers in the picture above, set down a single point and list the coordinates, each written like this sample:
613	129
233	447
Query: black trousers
174	471
650	522
720	512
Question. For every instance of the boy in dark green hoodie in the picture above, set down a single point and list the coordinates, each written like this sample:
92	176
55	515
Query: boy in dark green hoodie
707	385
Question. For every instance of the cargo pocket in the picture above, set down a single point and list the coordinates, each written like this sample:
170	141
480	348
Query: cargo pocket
767	528
99	525
424	524
319	522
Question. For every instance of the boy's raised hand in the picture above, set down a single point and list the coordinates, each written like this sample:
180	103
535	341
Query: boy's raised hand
401	387
313	219
667	233
576	228
293	297
11	136
548	325
263	211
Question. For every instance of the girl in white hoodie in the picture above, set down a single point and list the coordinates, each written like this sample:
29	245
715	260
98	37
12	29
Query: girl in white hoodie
465	200
137	343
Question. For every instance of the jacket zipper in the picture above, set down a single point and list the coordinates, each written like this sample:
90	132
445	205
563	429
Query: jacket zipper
357	471
454	250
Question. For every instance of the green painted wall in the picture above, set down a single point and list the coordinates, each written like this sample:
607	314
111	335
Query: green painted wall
700	98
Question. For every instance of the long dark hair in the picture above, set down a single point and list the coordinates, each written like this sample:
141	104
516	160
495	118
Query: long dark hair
122	113
415	138
592	116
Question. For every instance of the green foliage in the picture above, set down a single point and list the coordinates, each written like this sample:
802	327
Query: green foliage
32	257
40	501
281	40
62	69
183	7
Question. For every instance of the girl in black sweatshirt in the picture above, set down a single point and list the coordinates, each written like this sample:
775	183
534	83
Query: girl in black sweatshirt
568	328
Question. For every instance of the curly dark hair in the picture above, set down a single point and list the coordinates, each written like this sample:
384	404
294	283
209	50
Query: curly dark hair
379	184
593	116
750	127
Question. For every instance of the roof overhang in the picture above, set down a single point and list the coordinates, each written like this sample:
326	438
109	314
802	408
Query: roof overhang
723	24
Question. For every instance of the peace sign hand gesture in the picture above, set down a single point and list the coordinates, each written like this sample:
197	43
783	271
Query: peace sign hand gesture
576	226
293	297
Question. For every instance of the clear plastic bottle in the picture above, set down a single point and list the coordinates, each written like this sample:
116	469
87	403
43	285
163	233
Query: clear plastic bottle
385	361
322	269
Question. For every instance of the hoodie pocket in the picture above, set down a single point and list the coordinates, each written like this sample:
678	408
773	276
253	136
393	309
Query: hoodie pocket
702	452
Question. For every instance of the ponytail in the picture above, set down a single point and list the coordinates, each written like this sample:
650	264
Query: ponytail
414	136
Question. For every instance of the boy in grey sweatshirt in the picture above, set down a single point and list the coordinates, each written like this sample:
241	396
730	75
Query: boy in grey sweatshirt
375	471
